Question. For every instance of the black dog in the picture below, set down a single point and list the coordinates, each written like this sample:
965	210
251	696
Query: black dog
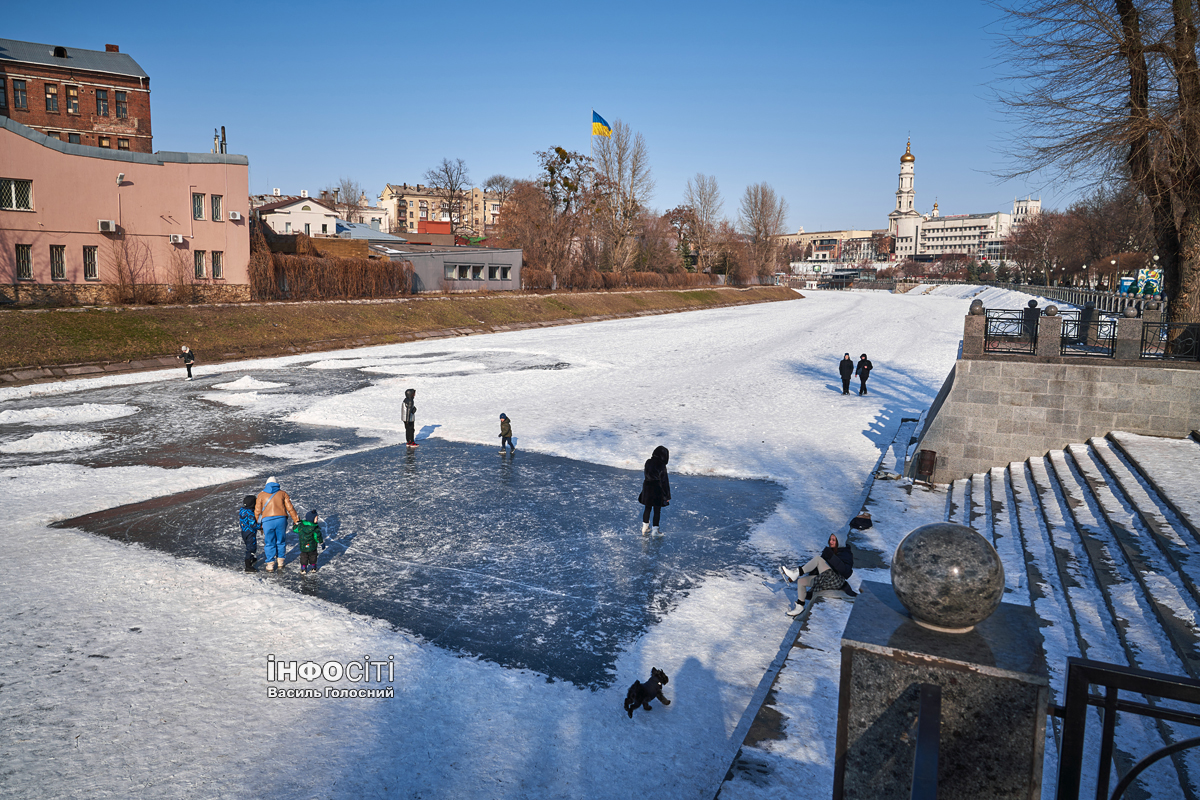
640	694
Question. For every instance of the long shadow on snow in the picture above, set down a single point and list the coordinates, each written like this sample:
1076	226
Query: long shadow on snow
530	561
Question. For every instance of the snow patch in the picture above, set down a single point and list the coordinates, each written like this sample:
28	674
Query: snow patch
67	415
54	441
246	382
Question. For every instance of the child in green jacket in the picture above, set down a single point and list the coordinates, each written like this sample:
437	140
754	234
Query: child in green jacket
309	533
506	434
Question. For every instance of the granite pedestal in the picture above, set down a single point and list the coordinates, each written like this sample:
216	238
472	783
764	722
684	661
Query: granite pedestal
995	690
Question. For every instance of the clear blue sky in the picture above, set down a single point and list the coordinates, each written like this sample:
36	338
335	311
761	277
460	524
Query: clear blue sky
814	98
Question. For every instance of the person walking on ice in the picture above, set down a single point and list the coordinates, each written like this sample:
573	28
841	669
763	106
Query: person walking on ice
309	534
863	371
408	415
506	434
250	528
846	369
188	357
272	508
656	489
826	572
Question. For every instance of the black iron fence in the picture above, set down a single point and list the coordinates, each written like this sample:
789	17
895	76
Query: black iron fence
1010	331
1088	335
1081	676
1171	340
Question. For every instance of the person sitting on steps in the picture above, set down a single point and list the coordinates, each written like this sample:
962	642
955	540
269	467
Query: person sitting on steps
828	571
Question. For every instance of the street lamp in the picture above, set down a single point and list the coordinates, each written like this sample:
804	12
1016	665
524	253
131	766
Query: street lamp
1086	285
1116	279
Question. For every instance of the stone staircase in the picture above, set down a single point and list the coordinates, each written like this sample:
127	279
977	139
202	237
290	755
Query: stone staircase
1103	540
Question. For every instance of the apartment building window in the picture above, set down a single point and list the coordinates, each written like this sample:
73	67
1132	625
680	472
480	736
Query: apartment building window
197	206
54	134
216	208
476	273
19	100
24	262
506	273
105	142
324	227
218	264
306	229
199	257
3	94
102	102
493	273
58	259
16	194
52	97
287	227
89	263
72	99
122	144
72	138
122	105
451	272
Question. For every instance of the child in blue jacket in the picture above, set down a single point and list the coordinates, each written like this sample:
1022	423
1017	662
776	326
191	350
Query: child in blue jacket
250	528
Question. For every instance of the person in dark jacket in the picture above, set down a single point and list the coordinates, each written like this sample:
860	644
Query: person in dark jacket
863	371
846	368
826	572
408	415
656	489
250	528
506	434
188	357
309	534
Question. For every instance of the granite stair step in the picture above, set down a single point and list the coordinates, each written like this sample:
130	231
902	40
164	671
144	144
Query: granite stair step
1006	537
1171	466
958	503
1175	604
979	518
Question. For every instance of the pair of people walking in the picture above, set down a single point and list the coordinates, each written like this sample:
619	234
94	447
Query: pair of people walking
847	369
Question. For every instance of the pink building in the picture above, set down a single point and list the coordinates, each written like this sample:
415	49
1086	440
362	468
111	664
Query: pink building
78	221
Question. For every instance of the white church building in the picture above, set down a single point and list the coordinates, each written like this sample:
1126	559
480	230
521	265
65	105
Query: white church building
925	237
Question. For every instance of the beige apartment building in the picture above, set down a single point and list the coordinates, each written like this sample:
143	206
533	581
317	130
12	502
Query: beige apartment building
409	206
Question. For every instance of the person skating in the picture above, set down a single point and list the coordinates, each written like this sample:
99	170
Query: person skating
309	534
506	434
828	571
188	357
863	371
272	508
408	415
250	528
846	368
656	488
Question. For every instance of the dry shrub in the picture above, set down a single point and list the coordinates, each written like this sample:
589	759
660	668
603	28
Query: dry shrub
613	280
537	278
646	280
591	279
311	278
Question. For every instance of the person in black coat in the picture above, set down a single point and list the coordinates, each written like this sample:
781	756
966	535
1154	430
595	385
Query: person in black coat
828	571
656	489
863	371
846	368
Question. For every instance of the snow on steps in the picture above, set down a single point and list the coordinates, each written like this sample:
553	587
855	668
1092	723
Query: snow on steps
1101	539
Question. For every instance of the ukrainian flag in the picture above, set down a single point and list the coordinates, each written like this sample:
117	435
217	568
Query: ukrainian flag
599	126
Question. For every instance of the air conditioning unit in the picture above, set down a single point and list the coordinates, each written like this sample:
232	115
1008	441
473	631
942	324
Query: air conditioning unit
176	238
234	216
107	226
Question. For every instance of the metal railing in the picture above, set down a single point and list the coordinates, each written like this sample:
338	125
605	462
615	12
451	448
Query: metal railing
928	738
1010	331
1082	336
1171	340
1081	675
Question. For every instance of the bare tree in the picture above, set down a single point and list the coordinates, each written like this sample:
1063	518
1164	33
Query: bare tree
761	217
704	196
344	196
132	276
501	186
1099	85
624	187
451	183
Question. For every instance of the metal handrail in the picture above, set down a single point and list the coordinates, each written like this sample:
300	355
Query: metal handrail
1010	331
1081	674
1171	340
929	734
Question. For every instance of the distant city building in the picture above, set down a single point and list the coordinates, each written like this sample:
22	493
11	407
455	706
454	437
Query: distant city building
925	237
847	245
303	214
98	98
411	206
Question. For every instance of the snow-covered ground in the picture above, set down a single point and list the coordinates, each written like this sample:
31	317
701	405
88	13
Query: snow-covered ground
130	672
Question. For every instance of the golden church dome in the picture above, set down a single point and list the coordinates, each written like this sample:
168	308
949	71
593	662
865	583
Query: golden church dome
908	157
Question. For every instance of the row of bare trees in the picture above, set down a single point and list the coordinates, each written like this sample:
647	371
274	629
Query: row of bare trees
582	215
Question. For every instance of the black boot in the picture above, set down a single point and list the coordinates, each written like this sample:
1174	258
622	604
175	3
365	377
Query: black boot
250	564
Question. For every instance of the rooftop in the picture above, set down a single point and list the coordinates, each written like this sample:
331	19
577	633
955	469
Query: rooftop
113	62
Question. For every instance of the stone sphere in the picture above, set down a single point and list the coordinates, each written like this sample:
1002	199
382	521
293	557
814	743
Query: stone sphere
1051	311
977	309
947	576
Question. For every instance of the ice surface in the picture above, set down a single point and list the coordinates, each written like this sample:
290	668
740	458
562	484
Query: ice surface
66	415
53	441
132	671
247	382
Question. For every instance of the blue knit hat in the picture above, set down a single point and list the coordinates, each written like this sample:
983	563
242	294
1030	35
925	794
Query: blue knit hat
504	416
311	516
